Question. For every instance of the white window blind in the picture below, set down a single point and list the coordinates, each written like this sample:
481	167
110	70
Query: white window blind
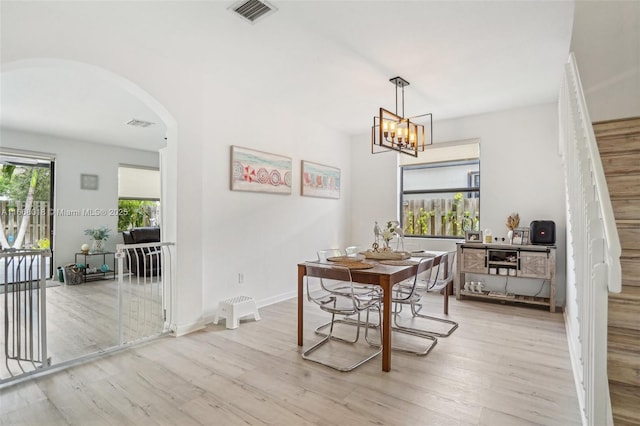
445	151
138	183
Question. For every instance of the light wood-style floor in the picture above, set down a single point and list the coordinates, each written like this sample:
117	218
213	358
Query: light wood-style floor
505	365
83	319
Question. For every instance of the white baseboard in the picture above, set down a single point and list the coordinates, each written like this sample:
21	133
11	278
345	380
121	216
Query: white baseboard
276	299
182	329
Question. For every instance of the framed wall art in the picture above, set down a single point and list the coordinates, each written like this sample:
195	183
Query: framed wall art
258	171
319	180
89	182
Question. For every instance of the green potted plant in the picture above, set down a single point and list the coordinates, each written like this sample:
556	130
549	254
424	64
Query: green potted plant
100	235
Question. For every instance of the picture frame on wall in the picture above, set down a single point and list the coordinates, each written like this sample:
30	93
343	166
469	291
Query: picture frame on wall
258	171
473	236
319	180
89	182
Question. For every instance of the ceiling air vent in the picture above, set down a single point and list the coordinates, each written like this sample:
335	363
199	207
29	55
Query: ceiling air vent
140	123
252	10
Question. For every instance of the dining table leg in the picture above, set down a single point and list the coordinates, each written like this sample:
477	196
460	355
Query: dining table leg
447	289
386	324
301	272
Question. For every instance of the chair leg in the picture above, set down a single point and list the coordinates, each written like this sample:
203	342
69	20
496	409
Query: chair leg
346	320
329	337
415	310
305	355
404	330
314	347
366	330
410	332
413	332
350	321
334	321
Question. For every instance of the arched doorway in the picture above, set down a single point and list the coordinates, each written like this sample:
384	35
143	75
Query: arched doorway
79	322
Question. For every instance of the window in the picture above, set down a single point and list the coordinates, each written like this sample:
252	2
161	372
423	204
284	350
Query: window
138	197
440	199
26	209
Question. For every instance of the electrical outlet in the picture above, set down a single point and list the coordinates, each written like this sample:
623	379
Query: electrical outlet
240	278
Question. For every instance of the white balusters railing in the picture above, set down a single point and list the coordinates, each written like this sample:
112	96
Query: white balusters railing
593	250
24	307
144	290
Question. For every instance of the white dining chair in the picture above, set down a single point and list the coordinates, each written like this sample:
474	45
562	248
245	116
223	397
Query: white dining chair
352	250
442	282
322	281
324	255
404	294
327	253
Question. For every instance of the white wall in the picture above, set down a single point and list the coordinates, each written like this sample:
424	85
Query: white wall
606	43
218	233
263	236
73	158
520	170
374	188
132	55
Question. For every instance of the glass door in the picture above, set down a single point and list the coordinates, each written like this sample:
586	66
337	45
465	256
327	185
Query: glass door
26	210
26	218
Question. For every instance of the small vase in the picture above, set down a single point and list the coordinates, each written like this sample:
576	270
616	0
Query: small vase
510	236
97	246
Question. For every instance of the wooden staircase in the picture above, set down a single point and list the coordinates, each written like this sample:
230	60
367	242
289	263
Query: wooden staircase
619	145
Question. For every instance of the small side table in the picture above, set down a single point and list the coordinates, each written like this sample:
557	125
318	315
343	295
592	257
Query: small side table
99	275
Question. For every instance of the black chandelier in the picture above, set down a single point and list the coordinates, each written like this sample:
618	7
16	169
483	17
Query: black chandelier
394	132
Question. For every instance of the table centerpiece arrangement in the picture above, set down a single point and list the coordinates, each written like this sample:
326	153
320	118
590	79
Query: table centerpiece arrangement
381	247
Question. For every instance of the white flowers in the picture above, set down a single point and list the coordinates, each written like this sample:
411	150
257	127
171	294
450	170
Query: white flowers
390	231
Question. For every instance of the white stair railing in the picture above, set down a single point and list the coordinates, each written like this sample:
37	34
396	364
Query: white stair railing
593	250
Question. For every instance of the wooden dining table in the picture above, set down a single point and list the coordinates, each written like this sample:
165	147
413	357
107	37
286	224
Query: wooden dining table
385	276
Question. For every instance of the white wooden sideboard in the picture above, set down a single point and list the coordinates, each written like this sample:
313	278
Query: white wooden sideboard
512	261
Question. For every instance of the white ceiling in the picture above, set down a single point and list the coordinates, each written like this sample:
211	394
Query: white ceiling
78	104
328	60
